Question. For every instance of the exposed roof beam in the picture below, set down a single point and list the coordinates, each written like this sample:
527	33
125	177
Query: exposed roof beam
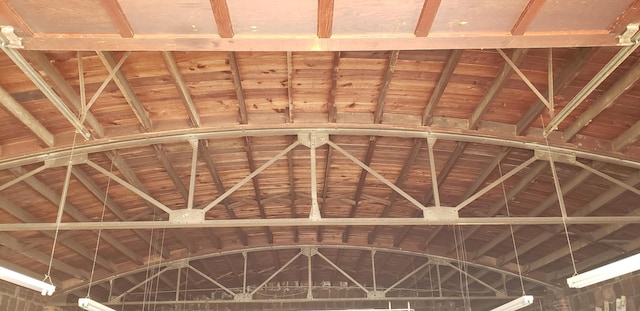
627	138
55	198
173	68
237	81
206	155
289	114
384	87
26	118
325	18
443	81
222	18
62	87
605	100
118	17
568	73
171	171
292	186
427	16
528	15
127	91
494	89
331	109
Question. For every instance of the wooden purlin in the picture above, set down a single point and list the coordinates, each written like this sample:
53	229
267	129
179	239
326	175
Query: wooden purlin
118	17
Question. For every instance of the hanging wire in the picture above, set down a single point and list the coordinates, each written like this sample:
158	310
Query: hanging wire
147	275
513	237
95	255
563	208
63	200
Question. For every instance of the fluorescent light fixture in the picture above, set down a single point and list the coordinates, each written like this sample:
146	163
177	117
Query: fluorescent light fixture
22	280
606	272
515	304
92	305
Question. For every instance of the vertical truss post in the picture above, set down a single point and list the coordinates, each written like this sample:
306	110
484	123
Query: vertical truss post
314	214
194	166
178	284
439	281
244	276
309	252
432	166
550	82
373	269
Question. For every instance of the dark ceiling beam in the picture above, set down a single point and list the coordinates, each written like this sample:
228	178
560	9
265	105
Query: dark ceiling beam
526	18
222	18
623	84
495	88
118	17
331	109
427	16
26	118
178	80
256	186
569	72
213	171
413	154
237	81
384	87
627	138
443	81
325	18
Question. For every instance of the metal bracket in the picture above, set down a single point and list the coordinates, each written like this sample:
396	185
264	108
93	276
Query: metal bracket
625	37
545	155
179	264
376	294
187	216
316	139
80	158
245	297
9	38
309	251
439	261
440	213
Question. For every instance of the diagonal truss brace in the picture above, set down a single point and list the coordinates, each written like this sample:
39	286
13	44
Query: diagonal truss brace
467	274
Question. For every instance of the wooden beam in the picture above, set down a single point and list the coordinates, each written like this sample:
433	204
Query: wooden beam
17	22
127	91
627	138
206	155
237	81
117	15
222	18
289	116
172	66
361	183
568	73
427	16
71	42
384	87
26	118
325	18
331	109
624	83
443	81
494	89
528	15
171	171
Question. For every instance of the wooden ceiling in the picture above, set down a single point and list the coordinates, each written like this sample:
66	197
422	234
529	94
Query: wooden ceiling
390	147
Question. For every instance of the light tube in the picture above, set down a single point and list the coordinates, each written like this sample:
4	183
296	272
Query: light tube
22	280
92	305
606	272
515	304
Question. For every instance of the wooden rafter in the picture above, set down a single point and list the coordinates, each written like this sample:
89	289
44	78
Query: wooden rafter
325	18
118	17
172	66
384	87
361	183
233	63
331	109
427	16
627	138
26	118
443	81
222	18
528	15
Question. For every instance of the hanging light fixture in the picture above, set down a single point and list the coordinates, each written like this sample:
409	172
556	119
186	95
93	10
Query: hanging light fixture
610	271
515	304
92	305
26	281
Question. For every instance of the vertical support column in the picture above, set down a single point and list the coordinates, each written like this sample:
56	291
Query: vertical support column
314	214
244	277
192	178
373	269
178	284
439	281
432	165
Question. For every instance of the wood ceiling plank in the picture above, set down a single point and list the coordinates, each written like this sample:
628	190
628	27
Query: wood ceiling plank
325	18
427	16
384	87
18	22
222	18
568	73
118	17
526	18
494	89
443	81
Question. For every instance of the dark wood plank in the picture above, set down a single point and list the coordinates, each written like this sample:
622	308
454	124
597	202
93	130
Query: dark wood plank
331	110
222	17
427	16
118	17
528	15
325	18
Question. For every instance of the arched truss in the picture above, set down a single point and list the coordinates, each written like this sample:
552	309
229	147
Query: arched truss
407	287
